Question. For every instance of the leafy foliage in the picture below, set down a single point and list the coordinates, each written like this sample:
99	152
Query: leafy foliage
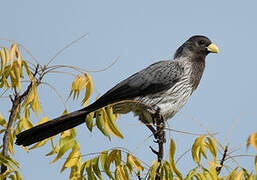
115	163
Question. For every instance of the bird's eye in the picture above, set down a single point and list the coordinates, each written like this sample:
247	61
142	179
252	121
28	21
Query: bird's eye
201	42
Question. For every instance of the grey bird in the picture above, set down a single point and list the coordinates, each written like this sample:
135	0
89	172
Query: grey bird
164	86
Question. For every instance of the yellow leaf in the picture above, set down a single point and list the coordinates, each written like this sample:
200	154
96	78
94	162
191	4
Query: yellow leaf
78	86
121	173
73	157
65	144
89	170
54	149
39	144
126	170
239	175
27	70
6	173
2	130
12	53
118	158
111	157
135	162
69	132
89	88
9	162
82	168
89	121
18	175
198	149
103	160
153	169
11	139
75	86
232	174
129	164
17	72
3	61
6	85
29	98
13	79
96	167
6	52
214	164
18	55
102	157
172	161
212	147
43	120
213	171
168	170
252	140
2	121
37	103
110	122
26	123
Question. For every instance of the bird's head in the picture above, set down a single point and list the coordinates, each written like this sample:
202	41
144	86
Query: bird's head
196	46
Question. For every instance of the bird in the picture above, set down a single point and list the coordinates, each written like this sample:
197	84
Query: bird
164	86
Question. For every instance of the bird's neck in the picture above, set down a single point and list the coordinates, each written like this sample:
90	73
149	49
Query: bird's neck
197	68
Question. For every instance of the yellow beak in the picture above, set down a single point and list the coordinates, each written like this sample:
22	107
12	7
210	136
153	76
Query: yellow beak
213	48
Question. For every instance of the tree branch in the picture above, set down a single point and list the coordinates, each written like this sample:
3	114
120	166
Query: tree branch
16	101
159	135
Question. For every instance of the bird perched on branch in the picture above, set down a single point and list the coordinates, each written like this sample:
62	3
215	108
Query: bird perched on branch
164	86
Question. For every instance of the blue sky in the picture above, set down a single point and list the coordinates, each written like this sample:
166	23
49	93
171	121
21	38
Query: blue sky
140	33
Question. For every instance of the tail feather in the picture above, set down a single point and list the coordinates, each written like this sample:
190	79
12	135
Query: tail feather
51	128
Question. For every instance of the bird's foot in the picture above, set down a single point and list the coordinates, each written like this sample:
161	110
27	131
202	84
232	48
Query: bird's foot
159	123
157	116
160	137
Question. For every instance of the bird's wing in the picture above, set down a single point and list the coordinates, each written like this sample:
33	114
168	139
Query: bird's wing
155	78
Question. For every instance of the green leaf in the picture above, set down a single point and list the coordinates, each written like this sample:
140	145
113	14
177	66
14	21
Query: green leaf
65	144
100	123
118	158
96	169
89	121
110	122
82	168
73	158
172	161
89	170
168	170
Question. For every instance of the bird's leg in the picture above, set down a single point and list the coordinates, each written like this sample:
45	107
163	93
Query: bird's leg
160	125
160	138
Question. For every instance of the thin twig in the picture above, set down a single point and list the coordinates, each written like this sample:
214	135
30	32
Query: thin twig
218	169
65	47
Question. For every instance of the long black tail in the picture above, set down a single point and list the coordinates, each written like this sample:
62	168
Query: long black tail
51	128
62	123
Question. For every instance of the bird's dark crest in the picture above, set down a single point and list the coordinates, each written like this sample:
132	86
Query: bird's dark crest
191	45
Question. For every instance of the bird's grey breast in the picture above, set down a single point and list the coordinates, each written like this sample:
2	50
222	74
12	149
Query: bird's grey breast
167	86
